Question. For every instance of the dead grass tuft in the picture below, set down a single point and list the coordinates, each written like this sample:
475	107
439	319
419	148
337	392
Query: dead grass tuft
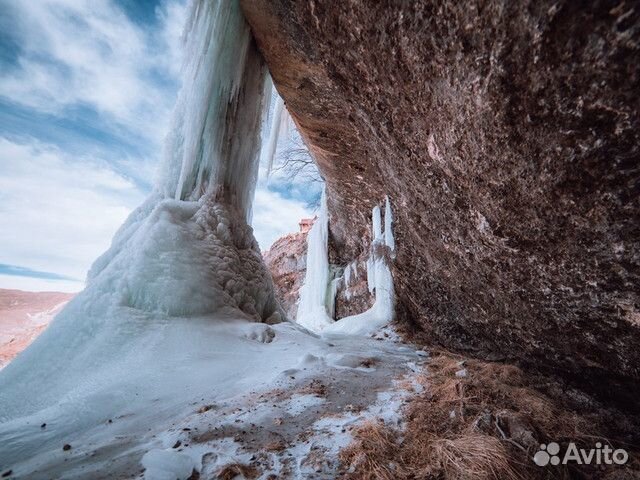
470	456
275	446
315	387
369	362
205	408
370	454
229	472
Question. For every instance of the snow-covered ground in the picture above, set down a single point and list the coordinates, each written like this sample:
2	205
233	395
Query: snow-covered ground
206	393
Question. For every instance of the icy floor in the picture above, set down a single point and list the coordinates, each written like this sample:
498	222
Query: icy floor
274	399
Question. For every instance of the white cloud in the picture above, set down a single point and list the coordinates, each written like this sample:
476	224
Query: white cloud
57	212
88	53
274	215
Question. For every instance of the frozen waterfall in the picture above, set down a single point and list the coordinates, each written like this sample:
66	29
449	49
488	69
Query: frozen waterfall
379	280
317	296
189	249
214	140
312	309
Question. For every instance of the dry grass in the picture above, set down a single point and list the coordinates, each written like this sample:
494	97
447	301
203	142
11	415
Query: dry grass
205	408
229	472
275	446
315	387
470	456
379	454
370	454
475	420
369	362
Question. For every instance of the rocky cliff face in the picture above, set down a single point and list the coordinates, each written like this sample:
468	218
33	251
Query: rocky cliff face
507	136
286	260
352	295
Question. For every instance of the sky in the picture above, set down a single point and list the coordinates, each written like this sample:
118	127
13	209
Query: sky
87	88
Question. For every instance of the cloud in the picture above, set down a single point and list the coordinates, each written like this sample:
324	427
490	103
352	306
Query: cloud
19	271
58	212
86	94
88	53
274	215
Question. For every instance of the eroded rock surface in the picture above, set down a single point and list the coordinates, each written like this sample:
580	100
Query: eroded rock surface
507	136
286	260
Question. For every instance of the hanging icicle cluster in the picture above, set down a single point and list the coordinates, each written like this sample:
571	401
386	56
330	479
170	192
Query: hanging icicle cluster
317	296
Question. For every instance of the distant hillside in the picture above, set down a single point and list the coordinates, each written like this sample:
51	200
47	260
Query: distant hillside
23	316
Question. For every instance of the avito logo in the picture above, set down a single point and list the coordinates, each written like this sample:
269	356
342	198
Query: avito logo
550	454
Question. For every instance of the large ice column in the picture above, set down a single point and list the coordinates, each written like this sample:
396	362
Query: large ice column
188	248
312	310
214	140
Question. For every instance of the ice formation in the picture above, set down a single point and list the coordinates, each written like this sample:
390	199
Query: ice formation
312	309
278	130
188	249
334	284
379	280
317	296
388	226
376	220
347	275
350	273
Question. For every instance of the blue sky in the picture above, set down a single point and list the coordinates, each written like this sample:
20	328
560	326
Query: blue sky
86	93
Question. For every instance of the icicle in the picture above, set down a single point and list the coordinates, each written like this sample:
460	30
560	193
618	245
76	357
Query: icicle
312	310
347	276
377	223
350	275
371	275
331	296
276	130
388	226
379	281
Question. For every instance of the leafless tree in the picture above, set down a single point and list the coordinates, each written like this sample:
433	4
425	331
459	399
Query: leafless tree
296	162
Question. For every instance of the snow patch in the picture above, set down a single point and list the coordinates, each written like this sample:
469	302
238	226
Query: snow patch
299	403
167	465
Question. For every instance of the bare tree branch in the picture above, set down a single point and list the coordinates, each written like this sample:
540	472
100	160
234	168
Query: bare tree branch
296	161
